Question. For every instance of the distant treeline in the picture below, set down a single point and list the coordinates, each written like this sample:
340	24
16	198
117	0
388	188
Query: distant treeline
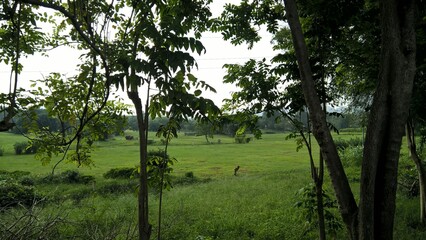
268	124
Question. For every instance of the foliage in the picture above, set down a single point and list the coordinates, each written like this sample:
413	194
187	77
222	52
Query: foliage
242	138
19	37
160	163
25	148
307	203
68	176
116	187
352	156
342	144
408	178
13	175
31	222
55	94
1	150
14	194
350	130
121	173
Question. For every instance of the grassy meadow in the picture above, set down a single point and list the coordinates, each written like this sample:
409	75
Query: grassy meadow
258	203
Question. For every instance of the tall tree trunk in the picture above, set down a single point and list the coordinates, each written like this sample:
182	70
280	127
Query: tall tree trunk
421	170
143	223
385	127
348	207
387	119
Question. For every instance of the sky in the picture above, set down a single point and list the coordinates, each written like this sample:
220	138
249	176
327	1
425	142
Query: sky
210	65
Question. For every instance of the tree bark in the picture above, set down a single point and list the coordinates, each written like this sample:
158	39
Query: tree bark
387	119
421	170
348	207
144	227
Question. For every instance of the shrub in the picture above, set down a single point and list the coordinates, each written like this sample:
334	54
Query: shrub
121	173
116	188
307	203
69	176
24	148
80	194
242	138
27	181
86	179
13	194
189	174
342	144
32	223
408	179
189	133
20	147
13	175
1	151
159	169
350	130
352	156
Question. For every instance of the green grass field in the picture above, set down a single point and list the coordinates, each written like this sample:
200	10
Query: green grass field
256	204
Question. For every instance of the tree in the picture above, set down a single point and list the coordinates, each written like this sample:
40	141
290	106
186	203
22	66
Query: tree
385	128
374	216
140	45
17	19
205	129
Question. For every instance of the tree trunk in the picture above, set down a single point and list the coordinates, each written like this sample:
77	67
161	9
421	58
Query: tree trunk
386	123
411	142
348	207
320	200
387	119
143	224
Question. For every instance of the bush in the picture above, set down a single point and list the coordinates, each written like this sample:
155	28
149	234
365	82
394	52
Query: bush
121	173
342	144
69	176
79	194
116	188
27	181
13	175
189	133
352	156
189	174
32	223
408	179
20	147
13	194
24	148
1	151
242	138
189	178
307	203
350	130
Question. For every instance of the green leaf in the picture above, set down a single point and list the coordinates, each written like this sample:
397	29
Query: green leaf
197	92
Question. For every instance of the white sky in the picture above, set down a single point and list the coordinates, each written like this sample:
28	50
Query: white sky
218	52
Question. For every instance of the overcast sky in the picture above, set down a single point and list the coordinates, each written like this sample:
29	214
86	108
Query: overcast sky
218	52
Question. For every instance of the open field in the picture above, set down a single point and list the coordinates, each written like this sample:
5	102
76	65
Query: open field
256	204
